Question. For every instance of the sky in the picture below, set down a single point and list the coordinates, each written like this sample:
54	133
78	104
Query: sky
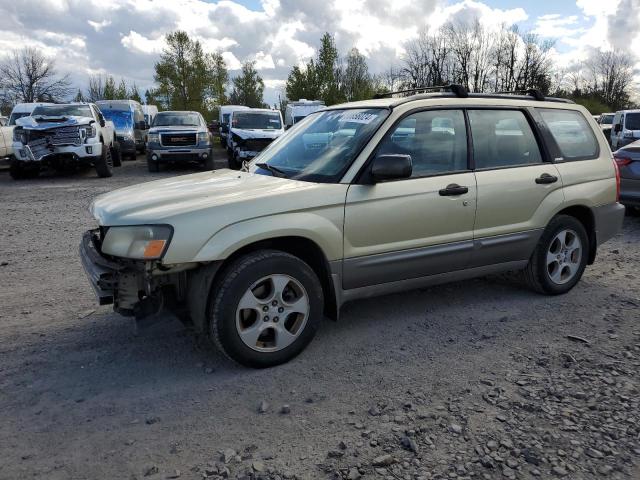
125	37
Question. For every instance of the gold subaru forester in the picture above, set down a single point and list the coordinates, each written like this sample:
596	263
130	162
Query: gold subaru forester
358	200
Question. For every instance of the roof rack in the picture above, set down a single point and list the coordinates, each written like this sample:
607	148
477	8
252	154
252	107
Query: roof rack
532	92
458	90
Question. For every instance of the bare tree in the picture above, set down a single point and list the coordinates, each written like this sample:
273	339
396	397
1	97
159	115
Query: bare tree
610	77
31	77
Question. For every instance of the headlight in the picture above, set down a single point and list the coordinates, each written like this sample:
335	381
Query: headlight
19	135
203	137
88	132
143	242
153	138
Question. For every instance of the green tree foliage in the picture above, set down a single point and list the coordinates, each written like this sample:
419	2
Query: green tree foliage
248	87
302	82
328	71
79	97
121	91
356	82
219	78
109	92
134	93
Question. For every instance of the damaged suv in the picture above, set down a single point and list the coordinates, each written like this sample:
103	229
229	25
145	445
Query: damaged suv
360	200
64	136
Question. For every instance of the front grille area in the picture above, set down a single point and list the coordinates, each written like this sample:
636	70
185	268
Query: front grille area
257	144
42	142
178	139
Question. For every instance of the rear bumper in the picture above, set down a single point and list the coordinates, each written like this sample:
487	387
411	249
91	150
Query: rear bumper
630	192
126	146
608	221
101	272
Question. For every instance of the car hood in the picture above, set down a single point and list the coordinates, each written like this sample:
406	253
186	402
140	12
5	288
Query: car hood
256	133
42	122
162	201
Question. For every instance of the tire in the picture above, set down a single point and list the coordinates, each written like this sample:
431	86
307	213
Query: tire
104	163
20	171
258	270
554	268
234	162
153	166
133	156
116	154
209	163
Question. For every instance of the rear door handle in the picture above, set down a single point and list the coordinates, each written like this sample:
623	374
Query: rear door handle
546	178
453	189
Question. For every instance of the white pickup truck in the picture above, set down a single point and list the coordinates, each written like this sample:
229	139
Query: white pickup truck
63	136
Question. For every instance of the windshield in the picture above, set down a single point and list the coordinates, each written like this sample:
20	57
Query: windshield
632	121
62	111
122	120
257	120
16	115
322	146
606	119
176	119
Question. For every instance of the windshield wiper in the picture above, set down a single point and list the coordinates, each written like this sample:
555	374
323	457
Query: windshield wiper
274	170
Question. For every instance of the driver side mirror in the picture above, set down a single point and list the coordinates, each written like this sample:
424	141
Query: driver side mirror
391	167
102	121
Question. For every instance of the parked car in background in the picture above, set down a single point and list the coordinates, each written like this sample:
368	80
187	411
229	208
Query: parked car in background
605	121
179	137
296	111
63	136
131	127
23	110
6	141
150	112
628	160
251	132
224	115
342	208
625	128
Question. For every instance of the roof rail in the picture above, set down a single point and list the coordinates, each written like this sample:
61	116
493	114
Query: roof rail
458	90
532	92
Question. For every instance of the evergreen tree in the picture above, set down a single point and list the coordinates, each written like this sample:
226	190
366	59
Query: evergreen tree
109	92
248	87
121	92
356	82
79	97
219	78
134	94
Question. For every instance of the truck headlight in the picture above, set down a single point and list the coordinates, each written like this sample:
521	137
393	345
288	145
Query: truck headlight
19	135
88	132
139	242
203	137
153	138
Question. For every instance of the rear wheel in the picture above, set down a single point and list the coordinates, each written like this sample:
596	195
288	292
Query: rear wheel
560	257
265	308
104	163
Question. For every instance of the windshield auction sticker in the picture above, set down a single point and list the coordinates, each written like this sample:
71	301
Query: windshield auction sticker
358	117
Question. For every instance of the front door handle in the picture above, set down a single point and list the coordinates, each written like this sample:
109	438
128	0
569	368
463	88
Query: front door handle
546	178
453	189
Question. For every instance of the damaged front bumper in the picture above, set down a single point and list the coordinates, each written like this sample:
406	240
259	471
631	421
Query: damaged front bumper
87	152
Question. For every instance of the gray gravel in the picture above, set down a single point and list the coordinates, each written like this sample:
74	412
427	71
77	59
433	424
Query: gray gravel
479	379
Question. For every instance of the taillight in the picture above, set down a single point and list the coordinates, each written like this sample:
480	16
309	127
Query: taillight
617	169
621	161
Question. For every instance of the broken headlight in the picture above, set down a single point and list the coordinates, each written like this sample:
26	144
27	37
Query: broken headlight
19	135
139	242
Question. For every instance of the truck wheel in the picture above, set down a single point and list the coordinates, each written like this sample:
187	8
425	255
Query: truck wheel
560	257
209	163
234	162
265	308
116	154
20	171
104	163
153	166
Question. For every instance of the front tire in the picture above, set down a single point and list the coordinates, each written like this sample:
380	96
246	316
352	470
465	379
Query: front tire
265	308
560	258
152	166
104	163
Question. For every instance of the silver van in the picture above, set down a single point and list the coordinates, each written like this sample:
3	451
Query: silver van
626	128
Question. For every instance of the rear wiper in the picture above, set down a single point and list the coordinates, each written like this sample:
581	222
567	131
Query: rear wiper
274	170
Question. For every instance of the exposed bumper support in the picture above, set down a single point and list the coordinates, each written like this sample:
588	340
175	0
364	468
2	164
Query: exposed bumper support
101	272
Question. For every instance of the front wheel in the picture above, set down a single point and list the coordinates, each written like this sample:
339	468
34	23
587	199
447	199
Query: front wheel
104	163
265	308
560	257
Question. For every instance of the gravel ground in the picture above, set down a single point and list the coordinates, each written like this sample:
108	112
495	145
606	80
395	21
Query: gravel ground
478	379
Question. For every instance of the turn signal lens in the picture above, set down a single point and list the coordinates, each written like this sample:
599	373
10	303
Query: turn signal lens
154	248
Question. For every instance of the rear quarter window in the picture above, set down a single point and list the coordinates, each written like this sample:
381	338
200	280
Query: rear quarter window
572	133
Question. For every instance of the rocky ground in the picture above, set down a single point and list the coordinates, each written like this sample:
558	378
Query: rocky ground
478	379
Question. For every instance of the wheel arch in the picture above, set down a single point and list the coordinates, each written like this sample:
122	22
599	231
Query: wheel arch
584	215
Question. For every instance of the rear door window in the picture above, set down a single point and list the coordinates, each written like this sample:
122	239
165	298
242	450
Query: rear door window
571	132
502	138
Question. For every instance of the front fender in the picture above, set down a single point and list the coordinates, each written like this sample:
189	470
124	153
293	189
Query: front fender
324	230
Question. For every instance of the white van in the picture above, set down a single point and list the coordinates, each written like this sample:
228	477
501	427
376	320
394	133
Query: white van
23	110
296	111
150	112
625	129
225	113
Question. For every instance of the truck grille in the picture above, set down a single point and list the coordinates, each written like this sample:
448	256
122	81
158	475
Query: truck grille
41	143
178	139
257	144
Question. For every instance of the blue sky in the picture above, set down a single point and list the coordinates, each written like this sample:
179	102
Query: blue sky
124	38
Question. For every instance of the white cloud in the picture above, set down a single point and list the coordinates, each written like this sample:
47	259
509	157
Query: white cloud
139	43
97	26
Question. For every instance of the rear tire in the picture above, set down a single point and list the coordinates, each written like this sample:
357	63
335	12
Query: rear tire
267	282
560	258
104	163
